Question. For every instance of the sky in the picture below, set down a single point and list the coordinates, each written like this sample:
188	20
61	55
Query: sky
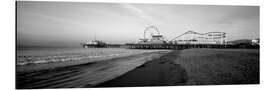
67	24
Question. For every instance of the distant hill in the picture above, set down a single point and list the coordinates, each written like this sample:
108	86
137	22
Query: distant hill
241	41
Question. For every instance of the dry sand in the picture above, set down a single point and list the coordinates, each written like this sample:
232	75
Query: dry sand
220	66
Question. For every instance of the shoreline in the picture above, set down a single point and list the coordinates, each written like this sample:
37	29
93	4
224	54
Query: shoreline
81	75
59	64
162	71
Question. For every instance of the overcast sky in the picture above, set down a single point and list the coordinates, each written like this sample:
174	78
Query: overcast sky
70	23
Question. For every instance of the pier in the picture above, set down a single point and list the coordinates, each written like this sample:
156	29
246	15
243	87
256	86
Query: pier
189	39
103	46
172	46
187	46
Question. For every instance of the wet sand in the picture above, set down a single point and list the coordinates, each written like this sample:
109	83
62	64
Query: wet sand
159	72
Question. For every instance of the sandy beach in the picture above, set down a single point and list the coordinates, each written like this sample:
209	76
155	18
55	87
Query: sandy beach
194	67
163	68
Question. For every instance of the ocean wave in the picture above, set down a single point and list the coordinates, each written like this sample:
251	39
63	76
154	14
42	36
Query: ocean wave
40	56
25	60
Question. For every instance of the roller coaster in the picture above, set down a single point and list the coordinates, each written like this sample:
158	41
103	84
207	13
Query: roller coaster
191	37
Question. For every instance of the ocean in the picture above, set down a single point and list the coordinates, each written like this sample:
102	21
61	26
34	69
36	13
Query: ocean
29	56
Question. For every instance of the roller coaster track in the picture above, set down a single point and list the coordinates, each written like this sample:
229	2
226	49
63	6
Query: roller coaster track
209	33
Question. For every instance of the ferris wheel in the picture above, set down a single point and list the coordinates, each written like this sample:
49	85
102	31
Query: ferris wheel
147	29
